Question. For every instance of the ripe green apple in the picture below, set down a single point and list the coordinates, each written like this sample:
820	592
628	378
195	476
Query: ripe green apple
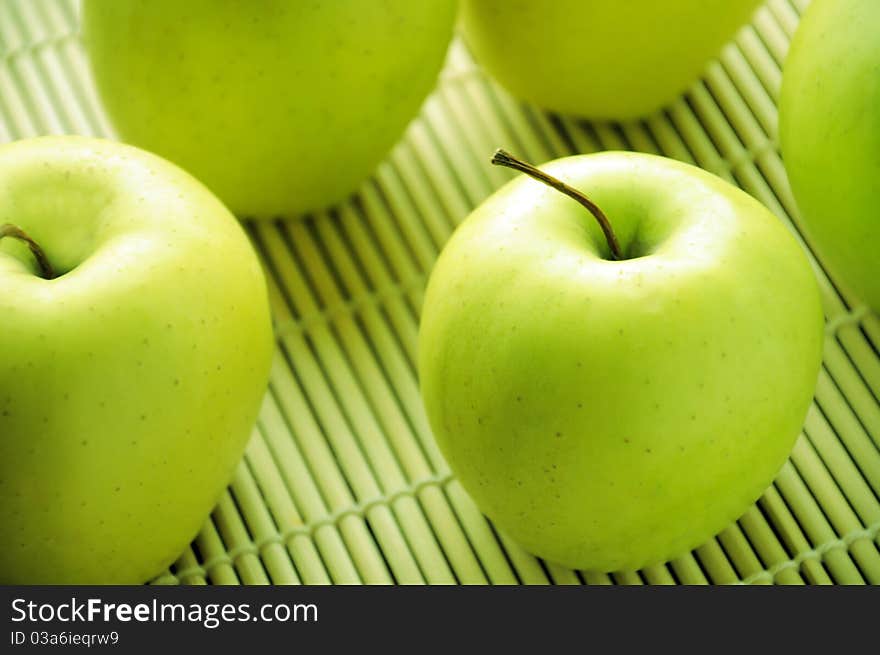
130	381
610	414
279	107
603	59
829	125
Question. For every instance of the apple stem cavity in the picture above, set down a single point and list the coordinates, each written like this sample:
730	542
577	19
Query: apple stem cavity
46	270
504	158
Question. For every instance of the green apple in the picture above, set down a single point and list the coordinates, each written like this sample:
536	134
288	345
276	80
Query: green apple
829	126
613	413
134	359
279	107
603	59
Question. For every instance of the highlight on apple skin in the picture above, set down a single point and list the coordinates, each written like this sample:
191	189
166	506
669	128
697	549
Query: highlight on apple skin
131	380
829	128
278	107
600	59
605	414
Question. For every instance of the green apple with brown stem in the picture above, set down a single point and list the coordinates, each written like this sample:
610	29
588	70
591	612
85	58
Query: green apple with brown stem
614	397
136	341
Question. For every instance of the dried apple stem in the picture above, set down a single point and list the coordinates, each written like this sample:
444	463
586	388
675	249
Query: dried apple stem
504	158
46	270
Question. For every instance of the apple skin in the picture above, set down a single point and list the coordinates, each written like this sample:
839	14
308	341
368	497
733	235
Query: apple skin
279	107
130	384
829	125
602	59
609	415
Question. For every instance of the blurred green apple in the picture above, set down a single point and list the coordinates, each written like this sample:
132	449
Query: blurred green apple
610	414
603	59
829	126
132	371
277	106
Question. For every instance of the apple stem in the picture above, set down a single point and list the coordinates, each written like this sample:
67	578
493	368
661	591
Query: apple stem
504	158
46	270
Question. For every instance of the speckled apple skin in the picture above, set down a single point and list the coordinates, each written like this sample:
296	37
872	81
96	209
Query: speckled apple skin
129	385
610	415
607	59
829	128
280	107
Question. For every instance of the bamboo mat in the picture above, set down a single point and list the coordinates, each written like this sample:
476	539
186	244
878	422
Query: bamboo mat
342	482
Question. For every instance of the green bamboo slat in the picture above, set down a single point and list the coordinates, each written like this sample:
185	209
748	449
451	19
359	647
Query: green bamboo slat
44	71
34	32
848	496
410	194
452	151
215	560
396	427
599	579
790	535
765	543
852	436
420	148
389	198
771	35
305	546
528	568
541	123
321	367
660	575
405	385
821	486
871	325
812	521
392	351
399	291
22	120
238	547
294	496
559	575
467	94
687	570
479	141
481	536
714	562
354	402
324	462
411	450
739	551
786	15
36	101
800	5
629	578
188	570
58	63
262	535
